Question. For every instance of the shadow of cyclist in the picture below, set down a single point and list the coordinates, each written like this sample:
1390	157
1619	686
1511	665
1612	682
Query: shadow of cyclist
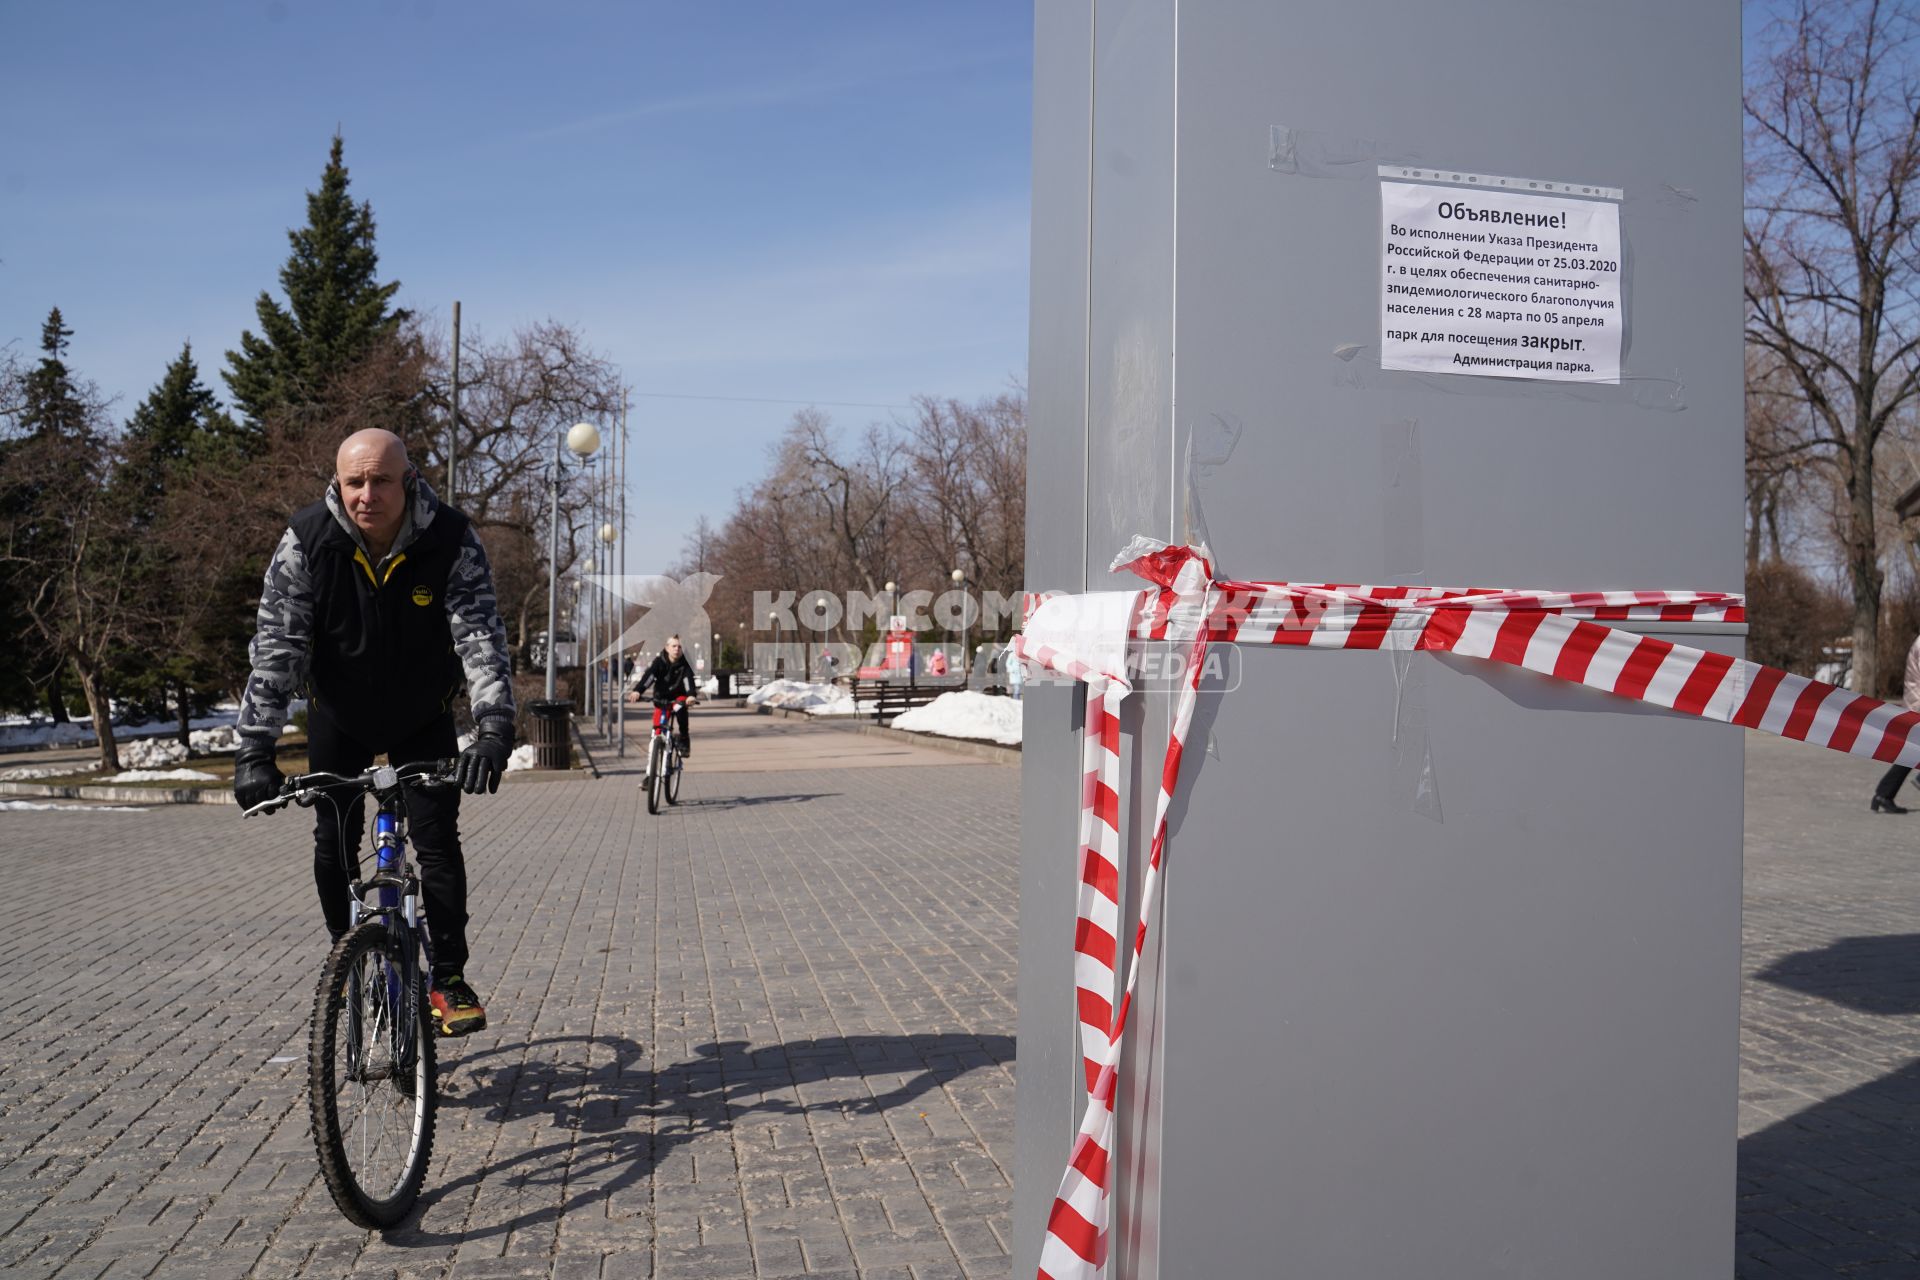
744	802
620	1120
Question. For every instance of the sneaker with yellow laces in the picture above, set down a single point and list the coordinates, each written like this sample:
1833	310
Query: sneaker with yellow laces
456	1008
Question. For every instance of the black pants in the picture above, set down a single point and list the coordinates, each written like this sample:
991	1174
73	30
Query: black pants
1889	788
433	826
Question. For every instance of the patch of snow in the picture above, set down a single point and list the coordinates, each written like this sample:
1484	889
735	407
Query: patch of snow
521	757
980	716
710	687
44	733
152	753
17	732
85	808
29	772
162	775
797	695
840	703
217	739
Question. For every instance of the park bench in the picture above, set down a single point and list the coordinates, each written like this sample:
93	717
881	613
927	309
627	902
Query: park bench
891	697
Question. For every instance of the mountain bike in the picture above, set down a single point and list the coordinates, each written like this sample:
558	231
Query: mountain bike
371	1083
661	781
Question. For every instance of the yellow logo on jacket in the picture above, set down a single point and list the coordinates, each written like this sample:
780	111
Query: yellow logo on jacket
422	597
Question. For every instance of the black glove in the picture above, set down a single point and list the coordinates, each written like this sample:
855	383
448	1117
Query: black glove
256	778
485	758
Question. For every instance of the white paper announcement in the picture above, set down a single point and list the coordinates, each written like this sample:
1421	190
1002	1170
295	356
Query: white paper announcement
1499	283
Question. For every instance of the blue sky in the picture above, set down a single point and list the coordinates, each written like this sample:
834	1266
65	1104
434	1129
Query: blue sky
808	202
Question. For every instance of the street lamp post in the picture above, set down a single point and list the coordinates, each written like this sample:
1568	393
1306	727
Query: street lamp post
589	628
886	628
608	629
960	584
620	471
582	438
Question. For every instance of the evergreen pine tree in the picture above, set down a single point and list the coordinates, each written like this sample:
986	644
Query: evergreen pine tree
178	427
192	608
51	405
336	308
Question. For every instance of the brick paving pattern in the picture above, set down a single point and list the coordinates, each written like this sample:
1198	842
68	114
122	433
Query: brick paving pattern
766	1035
1830	1022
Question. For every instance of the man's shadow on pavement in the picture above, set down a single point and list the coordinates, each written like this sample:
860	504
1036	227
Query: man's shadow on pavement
1880	976
605	1109
1847	1171
1851	1162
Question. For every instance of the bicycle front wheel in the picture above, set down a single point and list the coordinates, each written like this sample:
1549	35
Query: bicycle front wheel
656	775
371	1082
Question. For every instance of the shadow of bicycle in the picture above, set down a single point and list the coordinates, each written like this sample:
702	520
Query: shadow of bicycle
722	803
621	1119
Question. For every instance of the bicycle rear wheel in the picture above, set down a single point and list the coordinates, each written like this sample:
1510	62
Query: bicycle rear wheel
656	774
371	1082
675	767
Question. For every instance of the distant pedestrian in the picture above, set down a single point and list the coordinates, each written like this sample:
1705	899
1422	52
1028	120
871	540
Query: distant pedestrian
1885	796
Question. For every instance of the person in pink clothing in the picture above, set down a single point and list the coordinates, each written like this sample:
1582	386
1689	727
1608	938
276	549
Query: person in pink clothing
1885	795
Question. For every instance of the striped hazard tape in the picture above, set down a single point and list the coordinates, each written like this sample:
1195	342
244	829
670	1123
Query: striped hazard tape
1560	634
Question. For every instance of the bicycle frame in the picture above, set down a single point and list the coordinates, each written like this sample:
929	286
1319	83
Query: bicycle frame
396	898
370	1030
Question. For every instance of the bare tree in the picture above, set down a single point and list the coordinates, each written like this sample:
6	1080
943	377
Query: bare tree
907	502
1777	452
965	494
1833	145
699	550
517	398
70	554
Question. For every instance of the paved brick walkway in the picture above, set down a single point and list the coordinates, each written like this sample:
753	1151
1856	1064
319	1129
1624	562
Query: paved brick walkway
766	1035
1830	1086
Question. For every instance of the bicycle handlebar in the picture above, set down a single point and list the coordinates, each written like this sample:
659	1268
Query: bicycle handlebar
304	788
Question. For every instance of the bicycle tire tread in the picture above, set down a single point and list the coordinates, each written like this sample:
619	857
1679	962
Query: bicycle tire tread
359	1208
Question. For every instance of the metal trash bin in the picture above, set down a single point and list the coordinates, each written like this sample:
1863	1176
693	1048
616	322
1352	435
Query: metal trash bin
549	725
723	684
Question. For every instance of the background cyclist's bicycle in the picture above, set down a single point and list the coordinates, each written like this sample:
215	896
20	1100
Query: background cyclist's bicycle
661	781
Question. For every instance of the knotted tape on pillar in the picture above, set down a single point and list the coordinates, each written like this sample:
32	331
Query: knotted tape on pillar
1565	635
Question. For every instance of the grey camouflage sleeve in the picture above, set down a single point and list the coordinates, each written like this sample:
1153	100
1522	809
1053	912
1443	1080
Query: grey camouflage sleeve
282	643
479	635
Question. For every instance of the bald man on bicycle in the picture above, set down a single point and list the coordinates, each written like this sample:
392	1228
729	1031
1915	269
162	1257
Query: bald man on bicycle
379	606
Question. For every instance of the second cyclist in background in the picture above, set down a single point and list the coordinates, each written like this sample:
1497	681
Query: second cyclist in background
670	676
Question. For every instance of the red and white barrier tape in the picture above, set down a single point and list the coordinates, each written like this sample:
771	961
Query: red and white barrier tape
1557	634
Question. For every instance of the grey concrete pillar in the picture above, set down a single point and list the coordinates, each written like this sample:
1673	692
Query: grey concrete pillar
1446	980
